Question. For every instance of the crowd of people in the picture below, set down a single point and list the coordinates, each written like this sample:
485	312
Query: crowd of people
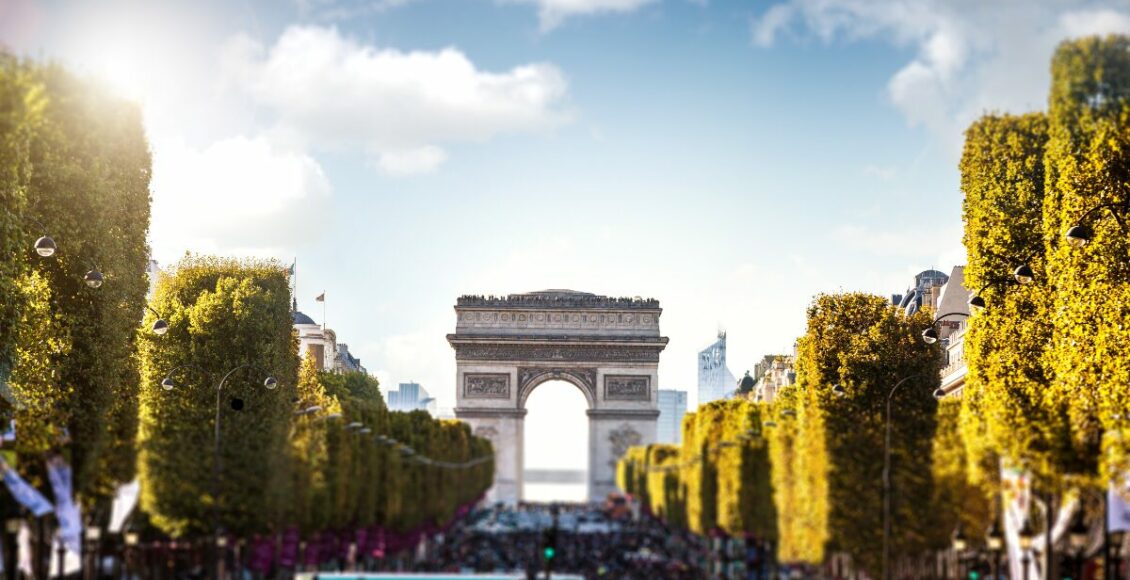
587	543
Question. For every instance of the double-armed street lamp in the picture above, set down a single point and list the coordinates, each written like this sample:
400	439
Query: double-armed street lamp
237	404
46	247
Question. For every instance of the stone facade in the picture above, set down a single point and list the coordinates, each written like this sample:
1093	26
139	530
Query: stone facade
606	347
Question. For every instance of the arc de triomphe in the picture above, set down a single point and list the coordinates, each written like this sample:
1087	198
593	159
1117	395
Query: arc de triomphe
607	347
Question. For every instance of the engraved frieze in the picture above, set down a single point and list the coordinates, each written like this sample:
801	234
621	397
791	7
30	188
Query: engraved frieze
627	387
486	432
486	386
508	352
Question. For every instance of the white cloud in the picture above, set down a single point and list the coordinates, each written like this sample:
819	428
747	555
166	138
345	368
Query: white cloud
332	91
972	56
765	29
1095	22
339	10
241	195
552	13
419	160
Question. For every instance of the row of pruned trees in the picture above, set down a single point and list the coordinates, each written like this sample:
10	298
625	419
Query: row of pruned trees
805	471
307	453
1048	384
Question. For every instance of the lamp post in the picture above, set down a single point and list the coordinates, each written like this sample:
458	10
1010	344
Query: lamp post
1077	537
12	529
1116	539
93	543
960	543
887	478
130	539
237	404
1026	536
994	540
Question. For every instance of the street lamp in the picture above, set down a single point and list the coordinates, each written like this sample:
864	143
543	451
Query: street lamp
160	326
1025	537
1079	234
994	540
131	540
1023	274
930	335
93	537
1077	536
236	404
93	278
12	527
960	543
45	246
838	390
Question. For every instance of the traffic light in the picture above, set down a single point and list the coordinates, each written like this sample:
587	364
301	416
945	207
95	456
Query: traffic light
549	545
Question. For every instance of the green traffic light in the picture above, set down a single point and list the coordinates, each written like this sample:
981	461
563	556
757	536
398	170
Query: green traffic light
550	553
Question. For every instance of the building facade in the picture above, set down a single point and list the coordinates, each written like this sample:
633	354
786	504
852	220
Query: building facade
320	343
925	292
773	373
953	298
715	381
672	408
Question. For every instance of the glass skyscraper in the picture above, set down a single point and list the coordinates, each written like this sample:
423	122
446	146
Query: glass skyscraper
715	381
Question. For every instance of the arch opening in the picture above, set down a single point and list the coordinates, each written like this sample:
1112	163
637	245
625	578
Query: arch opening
555	443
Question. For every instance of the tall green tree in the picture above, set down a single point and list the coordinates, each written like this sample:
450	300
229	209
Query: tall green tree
1007	409
1088	165
222	314
864	344
87	183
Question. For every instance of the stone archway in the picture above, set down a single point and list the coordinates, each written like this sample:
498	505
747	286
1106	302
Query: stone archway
607	347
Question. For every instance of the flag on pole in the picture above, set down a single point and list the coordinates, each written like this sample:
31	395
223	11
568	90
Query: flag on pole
66	511
125	499
25	494
292	265
321	297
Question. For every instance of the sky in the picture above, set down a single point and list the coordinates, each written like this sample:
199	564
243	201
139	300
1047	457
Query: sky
730	158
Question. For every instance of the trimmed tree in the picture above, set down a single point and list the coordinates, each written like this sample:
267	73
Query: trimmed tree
223	314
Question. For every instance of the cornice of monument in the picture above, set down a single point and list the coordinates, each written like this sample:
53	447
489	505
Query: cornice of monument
557	299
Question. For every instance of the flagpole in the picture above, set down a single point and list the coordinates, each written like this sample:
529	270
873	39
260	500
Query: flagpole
323	311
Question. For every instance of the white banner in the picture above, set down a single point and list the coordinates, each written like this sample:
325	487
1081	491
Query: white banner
66	511
23	551
125	499
26	495
1118	505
